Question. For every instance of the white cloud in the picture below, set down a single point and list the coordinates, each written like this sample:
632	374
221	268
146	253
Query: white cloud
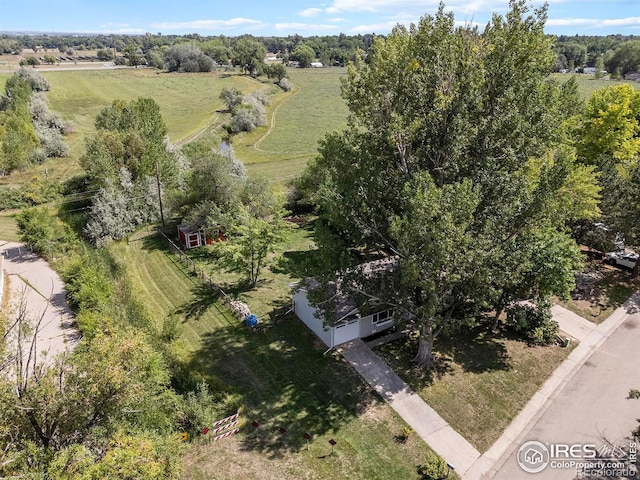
115	25
310	12
123	28
383	27
425	6
199	25
131	31
301	27
633	22
337	19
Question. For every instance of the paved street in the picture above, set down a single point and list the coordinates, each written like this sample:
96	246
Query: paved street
32	279
593	407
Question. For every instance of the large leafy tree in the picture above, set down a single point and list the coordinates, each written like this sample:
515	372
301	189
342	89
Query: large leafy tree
452	166
249	55
608	139
131	135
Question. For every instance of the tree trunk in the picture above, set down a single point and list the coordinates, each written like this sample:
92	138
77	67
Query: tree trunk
424	357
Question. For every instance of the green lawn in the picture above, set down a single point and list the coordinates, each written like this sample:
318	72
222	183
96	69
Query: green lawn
481	381
8	228
283	378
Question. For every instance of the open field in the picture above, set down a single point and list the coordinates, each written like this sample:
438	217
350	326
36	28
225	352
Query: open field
283	378
481	380
281	149
188	102
587	84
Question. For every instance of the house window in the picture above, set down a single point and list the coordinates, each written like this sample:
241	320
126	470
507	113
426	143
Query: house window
381	317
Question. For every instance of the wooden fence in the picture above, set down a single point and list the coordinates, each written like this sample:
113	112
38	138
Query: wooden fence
198	271
234	306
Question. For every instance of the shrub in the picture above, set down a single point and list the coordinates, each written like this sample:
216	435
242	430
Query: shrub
38	82
42	229
52	143
285	84
250	114
38	156
243	120
533	322
434	468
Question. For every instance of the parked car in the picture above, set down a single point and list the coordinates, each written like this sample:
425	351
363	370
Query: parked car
622	259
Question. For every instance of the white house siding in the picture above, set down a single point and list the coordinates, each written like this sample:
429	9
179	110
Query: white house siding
305	312
369	327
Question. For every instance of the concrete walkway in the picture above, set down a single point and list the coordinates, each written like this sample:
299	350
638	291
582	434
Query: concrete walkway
437	433
571	323
591	338
35	284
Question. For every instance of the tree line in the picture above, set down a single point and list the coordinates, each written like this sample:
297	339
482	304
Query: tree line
615	53
471	171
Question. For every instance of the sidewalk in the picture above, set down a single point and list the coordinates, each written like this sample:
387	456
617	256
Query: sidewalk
437	433
448	443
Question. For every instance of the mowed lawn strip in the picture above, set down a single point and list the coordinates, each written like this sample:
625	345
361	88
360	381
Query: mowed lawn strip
284	379
481	381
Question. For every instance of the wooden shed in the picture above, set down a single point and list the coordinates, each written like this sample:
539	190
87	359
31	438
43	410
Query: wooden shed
189	237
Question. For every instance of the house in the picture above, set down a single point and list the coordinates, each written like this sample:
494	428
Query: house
350	322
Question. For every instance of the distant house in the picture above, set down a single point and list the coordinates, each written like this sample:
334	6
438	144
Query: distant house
316	65
350	323
590	70
632	76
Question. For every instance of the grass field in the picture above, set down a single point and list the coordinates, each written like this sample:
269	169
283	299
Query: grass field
297	122
481	381
189	104
284	380
587	84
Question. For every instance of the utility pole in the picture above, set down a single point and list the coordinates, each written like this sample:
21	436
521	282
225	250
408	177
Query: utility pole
159	194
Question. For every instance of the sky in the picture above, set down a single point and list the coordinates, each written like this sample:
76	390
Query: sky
303	17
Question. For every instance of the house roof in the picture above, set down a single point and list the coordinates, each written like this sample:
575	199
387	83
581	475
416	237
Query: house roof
344	303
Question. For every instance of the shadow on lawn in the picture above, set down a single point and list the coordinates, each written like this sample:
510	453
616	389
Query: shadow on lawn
286	382
203	298
477	352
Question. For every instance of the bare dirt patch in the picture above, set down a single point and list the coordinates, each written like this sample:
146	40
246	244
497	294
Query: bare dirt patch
600	288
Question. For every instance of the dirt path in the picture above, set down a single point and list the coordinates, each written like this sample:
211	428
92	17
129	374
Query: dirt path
272	125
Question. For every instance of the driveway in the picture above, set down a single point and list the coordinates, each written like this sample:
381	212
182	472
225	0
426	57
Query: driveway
31	280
